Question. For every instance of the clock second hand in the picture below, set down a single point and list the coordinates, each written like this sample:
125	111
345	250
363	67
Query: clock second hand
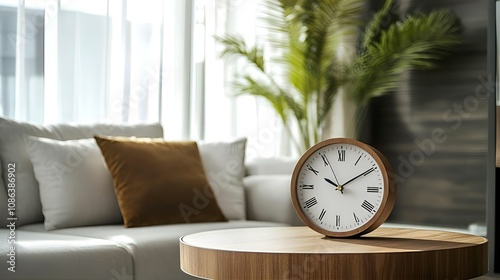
327	162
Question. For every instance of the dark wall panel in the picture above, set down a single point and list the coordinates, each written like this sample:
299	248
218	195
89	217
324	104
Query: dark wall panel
434	129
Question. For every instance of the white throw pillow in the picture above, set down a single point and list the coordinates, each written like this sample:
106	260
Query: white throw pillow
76	188
13	150
224	164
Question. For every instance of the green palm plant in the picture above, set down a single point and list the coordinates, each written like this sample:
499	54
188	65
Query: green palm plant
389	50
307	36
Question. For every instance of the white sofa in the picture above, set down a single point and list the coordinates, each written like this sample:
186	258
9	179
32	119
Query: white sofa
111	251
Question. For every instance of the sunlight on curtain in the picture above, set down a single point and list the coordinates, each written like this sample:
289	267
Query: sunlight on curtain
133	61
226	114
176	70
108	58
81	61
21	63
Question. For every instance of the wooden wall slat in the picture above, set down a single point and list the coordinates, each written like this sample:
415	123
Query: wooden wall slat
448	186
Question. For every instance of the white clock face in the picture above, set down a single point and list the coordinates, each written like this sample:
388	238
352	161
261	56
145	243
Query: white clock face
340	187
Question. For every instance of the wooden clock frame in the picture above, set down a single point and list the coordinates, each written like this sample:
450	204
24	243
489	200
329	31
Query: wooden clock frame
386	205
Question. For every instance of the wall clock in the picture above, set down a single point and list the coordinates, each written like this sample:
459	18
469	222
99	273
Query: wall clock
342	188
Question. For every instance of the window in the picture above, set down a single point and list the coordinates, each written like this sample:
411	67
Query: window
132	61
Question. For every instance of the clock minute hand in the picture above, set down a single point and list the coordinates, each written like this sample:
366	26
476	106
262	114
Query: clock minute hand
362	174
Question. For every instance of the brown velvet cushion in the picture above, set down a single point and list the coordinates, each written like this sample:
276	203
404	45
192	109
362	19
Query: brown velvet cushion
159	182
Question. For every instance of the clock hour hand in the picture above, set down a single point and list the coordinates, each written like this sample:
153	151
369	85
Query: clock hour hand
362	174
339	188
331	182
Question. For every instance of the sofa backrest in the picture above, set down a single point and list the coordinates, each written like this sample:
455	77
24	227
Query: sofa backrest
13	151
270	166
3	199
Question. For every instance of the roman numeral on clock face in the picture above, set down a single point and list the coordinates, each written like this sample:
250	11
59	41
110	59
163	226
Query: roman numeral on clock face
367	206
307	187
325	160
310	203
356	219
340	188
341	155
312	169
322	215
373	189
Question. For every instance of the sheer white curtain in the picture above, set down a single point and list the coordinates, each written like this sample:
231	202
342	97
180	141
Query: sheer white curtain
242	115
133	61
21	53
81	61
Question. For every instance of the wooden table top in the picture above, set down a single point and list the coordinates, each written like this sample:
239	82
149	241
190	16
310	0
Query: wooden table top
282	252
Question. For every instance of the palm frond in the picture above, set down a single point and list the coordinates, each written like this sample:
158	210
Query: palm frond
336	21
285	36
415	43
235	46
305	37
284	105
334	81
251	86
380	21
277	16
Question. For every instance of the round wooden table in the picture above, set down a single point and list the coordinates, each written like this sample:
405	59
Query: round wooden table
300	253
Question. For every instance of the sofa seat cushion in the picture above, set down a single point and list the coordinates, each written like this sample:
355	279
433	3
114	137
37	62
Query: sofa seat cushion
47	255
155	249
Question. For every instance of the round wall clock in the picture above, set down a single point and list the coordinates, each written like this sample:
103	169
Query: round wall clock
342	187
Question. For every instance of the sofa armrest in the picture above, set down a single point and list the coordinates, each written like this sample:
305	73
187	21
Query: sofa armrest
268	199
